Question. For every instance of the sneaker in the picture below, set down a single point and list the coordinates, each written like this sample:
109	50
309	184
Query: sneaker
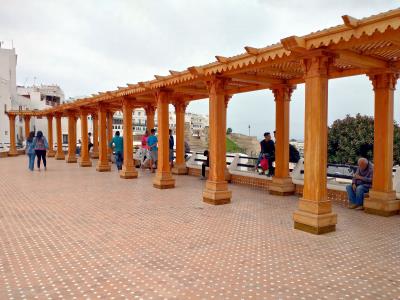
360	207
353	206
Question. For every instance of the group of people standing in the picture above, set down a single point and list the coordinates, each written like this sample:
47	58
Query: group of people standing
150	149
36	146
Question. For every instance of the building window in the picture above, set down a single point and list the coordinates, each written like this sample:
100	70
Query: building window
65	138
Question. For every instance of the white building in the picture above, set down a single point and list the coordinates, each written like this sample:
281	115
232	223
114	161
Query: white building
9	98
38	97
196	122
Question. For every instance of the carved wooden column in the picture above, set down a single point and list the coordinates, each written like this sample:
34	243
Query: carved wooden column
84	160
282	183
110	115
128	167
27	124
95	151
71	156
216	191
150	112
13	147
180	164
102	164
51	152
163	178
314	214
60	152
382	197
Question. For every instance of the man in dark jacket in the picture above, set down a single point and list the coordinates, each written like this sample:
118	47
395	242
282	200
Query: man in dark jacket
362	182
268	150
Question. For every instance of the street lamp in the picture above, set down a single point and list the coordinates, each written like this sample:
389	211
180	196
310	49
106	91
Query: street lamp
249	130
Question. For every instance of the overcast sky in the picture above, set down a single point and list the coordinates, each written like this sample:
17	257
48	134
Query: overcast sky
96	45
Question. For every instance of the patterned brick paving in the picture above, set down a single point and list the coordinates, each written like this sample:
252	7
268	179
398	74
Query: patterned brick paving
73	233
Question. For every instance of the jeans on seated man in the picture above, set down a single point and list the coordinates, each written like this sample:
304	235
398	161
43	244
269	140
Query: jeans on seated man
361	184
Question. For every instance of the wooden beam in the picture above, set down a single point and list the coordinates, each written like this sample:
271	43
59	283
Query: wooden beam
174	72
380	49
350	21
222	59
257	79
272	71
245	89
360	61
191	91
252	50
144	85
159	77
197	71
294	43
395	39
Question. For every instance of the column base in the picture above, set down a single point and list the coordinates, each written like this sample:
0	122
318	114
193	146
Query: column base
281	186
94	154
59	156
163	181
313	223
103	167
51	153
382	203
85	163
217	193
71	159
12	153
180	169
128	173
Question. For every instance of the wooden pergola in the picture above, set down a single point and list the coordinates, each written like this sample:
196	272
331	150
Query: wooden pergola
368	46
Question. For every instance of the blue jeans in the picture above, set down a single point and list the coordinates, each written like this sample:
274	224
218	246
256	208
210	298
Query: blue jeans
118	160
357	197
31	157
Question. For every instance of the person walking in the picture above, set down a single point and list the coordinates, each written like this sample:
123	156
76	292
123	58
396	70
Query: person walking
171	149
118	143
30	150
205	164
40	145
90	144
152	143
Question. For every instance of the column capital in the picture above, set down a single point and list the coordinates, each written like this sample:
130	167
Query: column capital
163	95
180	106
128	102
150	109
384	80
49	116
283	92
217	84
317	64
94	115
227	98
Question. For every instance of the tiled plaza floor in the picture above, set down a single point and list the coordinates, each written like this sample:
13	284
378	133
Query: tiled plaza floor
74	233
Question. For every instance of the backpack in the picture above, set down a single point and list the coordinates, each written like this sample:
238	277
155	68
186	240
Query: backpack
264	164
41	144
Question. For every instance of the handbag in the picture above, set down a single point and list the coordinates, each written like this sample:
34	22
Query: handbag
264	163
